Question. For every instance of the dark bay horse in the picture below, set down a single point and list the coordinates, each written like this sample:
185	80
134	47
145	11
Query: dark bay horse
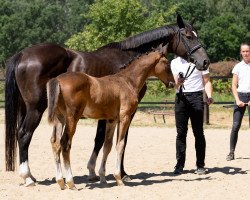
29	70
113	98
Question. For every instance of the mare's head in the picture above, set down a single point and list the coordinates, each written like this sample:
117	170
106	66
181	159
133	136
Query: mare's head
186	44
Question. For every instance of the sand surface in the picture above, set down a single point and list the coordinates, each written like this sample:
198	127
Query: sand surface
149	159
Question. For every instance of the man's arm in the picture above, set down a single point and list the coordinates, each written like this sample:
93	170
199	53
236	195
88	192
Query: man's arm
208	88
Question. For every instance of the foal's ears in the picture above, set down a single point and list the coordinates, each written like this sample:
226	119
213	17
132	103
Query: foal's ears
163	49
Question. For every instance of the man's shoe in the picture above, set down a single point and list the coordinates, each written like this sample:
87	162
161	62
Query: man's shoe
178	170
230	157
200	171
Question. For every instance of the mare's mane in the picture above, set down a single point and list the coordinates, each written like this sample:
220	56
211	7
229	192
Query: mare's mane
142	41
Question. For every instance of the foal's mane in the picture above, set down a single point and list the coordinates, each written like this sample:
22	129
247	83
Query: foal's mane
135	60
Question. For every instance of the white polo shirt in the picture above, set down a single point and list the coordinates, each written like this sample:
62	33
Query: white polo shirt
194	82
242	70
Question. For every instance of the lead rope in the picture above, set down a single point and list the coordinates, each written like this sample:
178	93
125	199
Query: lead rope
185	78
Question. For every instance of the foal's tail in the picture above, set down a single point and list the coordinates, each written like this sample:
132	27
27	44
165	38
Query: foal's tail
53	91
12	95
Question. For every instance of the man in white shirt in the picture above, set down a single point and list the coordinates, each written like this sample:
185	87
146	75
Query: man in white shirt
241	92
189	84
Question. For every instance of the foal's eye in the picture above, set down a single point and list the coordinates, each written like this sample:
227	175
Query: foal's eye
189	37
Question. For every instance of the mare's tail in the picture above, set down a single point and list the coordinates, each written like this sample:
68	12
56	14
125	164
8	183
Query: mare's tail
12	95
53	91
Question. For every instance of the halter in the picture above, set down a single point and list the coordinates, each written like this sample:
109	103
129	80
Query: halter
188	49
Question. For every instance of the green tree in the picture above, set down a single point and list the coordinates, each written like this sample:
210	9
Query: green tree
112	20
27	22
223	36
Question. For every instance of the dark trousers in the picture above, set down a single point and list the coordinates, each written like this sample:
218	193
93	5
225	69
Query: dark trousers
237	119
190	106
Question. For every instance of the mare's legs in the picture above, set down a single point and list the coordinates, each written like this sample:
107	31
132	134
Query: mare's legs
106	149
28	124
99	140
56	148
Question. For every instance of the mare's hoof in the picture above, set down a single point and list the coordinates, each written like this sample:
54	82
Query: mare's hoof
32	177
126	178
61	184
29	182
93	178
104	184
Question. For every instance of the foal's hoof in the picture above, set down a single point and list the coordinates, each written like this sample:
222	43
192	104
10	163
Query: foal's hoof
61	184
93	178
29	182
71	186
126	178
120	183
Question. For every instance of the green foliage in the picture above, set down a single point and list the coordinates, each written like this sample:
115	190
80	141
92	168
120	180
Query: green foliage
222	86
156	88
112	20
24	23
224	36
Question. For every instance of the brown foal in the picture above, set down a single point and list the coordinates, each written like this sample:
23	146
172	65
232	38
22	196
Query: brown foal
114	98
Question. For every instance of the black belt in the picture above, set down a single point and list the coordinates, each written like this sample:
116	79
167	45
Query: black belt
244	93
191	93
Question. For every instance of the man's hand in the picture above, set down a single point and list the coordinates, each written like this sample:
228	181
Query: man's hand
210	100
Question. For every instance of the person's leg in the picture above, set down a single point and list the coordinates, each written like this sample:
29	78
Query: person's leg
196	116
181	119
237	119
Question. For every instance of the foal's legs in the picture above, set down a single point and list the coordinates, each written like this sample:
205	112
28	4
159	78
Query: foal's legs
66	142
123	126
24	135
99	139
106	149
56	148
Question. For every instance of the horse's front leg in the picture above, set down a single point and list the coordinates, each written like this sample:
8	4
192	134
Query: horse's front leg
110	129
66	142
123	126
99	140
56	148
125	176
25	133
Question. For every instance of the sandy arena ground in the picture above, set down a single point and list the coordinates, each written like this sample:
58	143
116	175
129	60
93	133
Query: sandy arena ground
150	160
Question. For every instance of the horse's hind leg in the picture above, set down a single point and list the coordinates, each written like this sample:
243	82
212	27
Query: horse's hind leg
56	148
66	142
106	149
99	140
25	133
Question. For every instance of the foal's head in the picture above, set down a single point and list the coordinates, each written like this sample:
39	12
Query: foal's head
162	69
